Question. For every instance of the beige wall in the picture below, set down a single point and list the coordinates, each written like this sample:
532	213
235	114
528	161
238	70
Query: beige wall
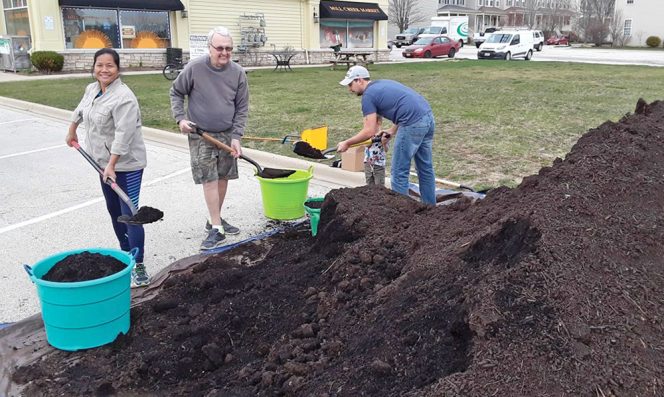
646	16
43	39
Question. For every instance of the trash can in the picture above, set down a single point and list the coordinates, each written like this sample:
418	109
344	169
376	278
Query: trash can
173	56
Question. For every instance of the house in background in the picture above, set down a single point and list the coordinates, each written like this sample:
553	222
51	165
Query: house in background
641	19
141	31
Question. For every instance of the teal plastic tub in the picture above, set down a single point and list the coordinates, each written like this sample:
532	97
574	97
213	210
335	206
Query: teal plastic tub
283	198
84	314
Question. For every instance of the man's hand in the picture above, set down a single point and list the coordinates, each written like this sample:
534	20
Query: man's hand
342	146
185	126
237	148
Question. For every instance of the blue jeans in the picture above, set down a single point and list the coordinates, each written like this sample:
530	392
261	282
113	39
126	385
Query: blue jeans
415	141
129	236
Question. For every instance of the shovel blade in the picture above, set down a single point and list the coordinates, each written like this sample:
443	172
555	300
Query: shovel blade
143	215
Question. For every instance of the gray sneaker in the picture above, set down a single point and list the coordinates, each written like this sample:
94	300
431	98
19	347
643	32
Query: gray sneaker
213	240
139	276
228	228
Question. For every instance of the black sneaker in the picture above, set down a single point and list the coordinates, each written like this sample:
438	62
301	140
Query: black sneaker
213	240
139	276
228	228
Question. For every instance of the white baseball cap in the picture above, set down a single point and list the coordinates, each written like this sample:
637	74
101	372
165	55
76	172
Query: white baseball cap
356	72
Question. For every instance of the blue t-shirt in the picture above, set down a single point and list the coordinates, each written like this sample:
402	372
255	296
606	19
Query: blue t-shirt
394	101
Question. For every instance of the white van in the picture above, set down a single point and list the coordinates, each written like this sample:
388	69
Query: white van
507	44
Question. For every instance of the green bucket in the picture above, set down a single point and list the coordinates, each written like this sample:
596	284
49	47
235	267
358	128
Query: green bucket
84	314
283	198
314	213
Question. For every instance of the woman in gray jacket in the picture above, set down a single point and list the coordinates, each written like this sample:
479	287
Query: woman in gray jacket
112	120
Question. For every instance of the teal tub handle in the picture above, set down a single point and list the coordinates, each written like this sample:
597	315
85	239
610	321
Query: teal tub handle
134	252
28	269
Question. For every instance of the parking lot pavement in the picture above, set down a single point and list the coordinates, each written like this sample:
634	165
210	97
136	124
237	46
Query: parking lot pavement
52	202
610	56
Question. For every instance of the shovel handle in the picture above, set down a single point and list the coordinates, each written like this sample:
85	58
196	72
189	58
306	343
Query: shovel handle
28	269
109	181
220	145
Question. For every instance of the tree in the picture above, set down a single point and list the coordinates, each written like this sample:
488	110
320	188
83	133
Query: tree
595	18
617	29
554	18
530	9
403	13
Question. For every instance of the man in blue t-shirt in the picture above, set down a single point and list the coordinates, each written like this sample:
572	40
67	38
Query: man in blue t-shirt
412	127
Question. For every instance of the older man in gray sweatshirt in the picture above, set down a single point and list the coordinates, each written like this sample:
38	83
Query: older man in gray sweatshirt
217	102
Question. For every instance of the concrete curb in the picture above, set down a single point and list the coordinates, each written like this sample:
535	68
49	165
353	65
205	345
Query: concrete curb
322	172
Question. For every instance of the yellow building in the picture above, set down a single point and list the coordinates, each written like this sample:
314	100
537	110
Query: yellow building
142	30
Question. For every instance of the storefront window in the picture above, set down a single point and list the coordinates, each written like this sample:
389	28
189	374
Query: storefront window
348	33
90	28
17	22
145	29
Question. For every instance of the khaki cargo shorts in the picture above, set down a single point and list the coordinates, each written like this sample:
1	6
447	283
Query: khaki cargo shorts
209	164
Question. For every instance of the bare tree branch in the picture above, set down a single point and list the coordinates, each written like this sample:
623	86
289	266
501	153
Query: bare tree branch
403	13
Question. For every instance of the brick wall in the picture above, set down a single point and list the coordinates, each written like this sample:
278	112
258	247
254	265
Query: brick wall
81	60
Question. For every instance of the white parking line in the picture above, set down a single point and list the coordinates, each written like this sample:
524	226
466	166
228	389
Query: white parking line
17	121
82	205
32	151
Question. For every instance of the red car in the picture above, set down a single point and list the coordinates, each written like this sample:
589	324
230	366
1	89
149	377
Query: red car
557	40
430	47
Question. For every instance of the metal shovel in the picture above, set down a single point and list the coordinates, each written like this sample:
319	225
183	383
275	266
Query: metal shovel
138	216
302	148
268	173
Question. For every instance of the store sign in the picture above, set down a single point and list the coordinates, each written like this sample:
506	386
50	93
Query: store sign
356	9
198	45
5	46
128	32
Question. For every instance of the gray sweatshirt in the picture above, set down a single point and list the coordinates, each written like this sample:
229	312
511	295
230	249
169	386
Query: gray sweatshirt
113	125
218	98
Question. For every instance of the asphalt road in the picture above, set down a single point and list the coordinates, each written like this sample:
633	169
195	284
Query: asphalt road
52	202
567	54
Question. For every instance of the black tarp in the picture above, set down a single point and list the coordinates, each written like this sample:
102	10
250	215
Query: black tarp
351	10
164	5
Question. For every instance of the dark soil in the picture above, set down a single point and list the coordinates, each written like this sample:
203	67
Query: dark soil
304	149
143	215
314	204
84	266
554	288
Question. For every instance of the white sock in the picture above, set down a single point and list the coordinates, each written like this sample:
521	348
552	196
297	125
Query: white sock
219	228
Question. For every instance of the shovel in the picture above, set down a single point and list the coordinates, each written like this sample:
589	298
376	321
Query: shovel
267	173
304	149
316	137
138	216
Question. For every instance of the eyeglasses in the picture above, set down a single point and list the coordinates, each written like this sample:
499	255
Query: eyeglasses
221	49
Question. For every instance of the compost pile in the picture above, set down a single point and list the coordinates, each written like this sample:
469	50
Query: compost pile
555	287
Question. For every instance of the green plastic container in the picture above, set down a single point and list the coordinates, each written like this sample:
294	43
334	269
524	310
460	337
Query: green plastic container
314	214
283	198
84	314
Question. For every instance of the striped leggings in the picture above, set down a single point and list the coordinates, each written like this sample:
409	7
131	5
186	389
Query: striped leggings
129	236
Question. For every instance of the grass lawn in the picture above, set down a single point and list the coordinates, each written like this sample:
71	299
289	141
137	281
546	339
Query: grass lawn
496	121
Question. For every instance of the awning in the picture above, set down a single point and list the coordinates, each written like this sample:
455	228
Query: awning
164	5
351	10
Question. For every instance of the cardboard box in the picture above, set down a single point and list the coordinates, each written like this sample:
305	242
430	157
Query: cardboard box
353	159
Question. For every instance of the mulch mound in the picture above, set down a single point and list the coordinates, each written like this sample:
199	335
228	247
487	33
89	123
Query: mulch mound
555	287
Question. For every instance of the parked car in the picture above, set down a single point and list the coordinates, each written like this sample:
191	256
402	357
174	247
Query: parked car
557	40
538	40
506	45
479	38
407	37
431	47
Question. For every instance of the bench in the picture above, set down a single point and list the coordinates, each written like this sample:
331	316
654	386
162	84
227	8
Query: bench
349	63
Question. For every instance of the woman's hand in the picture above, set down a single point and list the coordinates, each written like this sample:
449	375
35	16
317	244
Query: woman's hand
71	134
109	173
